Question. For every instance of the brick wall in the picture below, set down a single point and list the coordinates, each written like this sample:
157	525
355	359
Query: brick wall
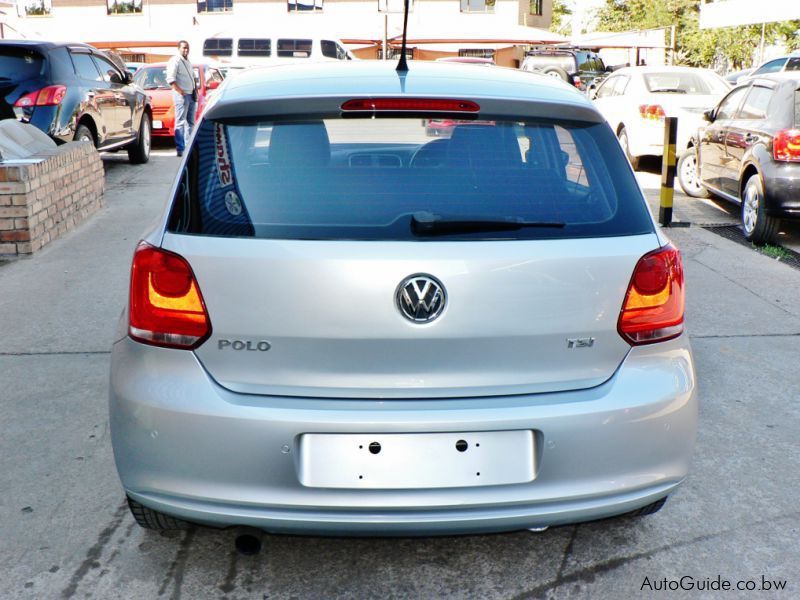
43	197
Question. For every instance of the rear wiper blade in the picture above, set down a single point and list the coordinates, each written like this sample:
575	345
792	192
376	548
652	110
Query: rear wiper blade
668	91
429	224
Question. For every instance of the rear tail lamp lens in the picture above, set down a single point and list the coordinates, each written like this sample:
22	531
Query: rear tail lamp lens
52	95
166	306
576	80
409	104
654	303
652	112
786	145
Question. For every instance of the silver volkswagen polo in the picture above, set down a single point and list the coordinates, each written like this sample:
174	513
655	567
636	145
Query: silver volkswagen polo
344	326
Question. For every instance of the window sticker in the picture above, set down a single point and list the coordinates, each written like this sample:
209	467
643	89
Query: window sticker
224	170
233	204
223	207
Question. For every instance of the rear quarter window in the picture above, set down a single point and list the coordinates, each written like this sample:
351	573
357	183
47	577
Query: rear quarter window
366	179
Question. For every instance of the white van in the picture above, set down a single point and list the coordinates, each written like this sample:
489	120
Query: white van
264	49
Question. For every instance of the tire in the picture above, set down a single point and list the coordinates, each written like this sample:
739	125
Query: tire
759	227
649	509
83	133
688	175
152	519
557	72
625	143
139	151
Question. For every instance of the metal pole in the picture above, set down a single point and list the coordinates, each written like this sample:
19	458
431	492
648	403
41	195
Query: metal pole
672	46
668	171
385	36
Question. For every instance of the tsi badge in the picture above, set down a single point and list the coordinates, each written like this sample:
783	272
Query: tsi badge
586	342
250	345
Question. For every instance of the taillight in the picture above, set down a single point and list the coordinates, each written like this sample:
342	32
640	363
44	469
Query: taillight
576	81
786	145
409	104
652	112
166	306
52	95
654	304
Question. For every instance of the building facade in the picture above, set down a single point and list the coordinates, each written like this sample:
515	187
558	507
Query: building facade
362	24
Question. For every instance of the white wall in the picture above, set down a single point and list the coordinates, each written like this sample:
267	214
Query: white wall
173	22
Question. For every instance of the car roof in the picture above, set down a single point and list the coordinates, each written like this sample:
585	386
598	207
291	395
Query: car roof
43	45
322	86
164	64
774	78
643	70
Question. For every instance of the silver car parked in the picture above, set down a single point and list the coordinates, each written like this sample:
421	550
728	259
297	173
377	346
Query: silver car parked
342	326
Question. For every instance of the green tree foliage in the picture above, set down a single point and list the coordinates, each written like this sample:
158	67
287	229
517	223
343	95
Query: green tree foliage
559	24
725	47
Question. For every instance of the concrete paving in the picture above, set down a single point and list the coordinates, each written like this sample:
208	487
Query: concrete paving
65	532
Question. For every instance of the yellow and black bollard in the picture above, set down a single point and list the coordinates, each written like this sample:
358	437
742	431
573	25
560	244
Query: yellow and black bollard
668	172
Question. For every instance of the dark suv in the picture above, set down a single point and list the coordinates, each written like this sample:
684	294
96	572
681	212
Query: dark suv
582	68
74	92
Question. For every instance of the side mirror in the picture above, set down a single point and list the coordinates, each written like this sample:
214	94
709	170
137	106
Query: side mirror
708	115
213	84
128	77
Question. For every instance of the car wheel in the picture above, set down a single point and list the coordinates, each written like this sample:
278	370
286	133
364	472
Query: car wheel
689	175
759	227
625	143
139	151
557	72
152	519
84	134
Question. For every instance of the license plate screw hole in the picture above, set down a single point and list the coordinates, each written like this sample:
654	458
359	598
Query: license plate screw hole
374	447
462	445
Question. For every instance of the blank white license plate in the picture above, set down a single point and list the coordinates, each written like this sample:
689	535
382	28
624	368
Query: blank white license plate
158	125
416	460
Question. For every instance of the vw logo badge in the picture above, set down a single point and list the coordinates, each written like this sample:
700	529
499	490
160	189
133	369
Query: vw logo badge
421	298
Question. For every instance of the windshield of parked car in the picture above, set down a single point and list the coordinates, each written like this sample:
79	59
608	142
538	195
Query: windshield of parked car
152	78
685	83
396	179
20	64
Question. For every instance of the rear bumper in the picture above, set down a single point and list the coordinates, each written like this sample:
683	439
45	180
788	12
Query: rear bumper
189	448
782	189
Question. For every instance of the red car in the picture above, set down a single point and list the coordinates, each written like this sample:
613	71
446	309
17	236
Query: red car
153	79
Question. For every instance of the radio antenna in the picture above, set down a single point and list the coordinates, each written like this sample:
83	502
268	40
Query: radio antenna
402	66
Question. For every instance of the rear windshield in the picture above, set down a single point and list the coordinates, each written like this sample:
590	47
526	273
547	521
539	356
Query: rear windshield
152	78
378	179
20	64
685	83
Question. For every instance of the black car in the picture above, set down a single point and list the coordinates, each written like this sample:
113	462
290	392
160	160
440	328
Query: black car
750	153
582	68
74	92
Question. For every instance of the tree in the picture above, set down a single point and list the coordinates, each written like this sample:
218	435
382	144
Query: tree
559	24
722	48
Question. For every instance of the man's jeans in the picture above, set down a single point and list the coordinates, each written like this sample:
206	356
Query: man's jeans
184	119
